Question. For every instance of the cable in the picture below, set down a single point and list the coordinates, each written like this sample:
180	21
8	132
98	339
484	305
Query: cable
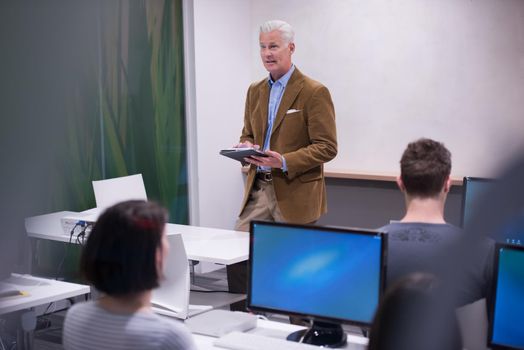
365	332
47	309
71	234
80	234
80	238
66	246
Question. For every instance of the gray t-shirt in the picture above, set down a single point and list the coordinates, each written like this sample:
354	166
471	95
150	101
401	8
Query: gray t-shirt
425	247
89	326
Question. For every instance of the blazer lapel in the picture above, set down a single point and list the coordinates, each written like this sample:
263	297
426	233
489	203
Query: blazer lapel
290	94
264	98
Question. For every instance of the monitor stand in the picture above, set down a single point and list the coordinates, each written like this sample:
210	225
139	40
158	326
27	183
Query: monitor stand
326	334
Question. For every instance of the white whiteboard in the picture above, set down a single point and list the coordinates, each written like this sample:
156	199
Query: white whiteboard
452	70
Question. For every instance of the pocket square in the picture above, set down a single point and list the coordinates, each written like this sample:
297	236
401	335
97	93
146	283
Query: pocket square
293	111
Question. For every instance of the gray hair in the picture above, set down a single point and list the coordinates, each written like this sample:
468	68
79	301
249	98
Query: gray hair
286	31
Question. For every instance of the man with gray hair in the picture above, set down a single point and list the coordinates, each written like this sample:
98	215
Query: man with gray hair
291	118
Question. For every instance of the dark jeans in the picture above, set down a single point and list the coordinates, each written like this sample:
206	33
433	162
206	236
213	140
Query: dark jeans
237	283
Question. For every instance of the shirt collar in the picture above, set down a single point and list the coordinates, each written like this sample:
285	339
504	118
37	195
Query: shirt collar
284	79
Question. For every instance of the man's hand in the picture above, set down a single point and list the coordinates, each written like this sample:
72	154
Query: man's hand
274	160
246	144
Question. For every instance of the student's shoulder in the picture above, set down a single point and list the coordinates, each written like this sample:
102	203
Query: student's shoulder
453	228
444	228
81	313
169	323
175	334
83	308
392	226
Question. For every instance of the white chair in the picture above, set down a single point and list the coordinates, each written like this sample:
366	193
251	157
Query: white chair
172	297
111	191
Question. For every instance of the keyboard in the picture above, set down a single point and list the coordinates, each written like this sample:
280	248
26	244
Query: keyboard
251	341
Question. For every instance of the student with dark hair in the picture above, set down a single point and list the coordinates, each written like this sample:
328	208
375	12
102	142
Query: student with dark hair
413	316
422	240
123	259
425	167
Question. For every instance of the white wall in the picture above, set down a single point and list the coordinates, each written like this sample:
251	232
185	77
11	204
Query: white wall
222	76
398	70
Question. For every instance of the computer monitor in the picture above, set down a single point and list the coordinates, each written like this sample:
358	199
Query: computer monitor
511	231
473	188
507	304
328	275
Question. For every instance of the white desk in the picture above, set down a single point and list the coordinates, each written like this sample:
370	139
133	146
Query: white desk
273	329
202	244
43	291
213	245
40	291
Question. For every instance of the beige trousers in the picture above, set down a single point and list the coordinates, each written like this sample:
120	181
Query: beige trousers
261	205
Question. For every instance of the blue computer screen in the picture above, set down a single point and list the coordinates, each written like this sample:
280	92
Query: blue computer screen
315	271
508	310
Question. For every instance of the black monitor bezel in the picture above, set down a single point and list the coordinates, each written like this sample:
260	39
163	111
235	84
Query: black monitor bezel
345	230
496	256
465	181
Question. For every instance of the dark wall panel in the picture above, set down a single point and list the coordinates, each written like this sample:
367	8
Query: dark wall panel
371	204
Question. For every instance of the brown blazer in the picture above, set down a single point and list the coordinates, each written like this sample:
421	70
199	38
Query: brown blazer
304	133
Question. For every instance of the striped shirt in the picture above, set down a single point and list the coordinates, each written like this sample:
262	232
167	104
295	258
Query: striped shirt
89	326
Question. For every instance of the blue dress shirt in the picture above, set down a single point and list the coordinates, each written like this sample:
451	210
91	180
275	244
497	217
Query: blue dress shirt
275	96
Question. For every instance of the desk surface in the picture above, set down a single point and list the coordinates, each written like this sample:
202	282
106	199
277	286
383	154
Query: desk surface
213	245
202	244
213	300
270	329
41	291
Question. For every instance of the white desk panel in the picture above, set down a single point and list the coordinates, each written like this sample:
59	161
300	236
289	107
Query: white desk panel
201	243
42	292
48	226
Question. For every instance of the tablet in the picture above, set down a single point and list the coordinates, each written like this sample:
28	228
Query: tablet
241	153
